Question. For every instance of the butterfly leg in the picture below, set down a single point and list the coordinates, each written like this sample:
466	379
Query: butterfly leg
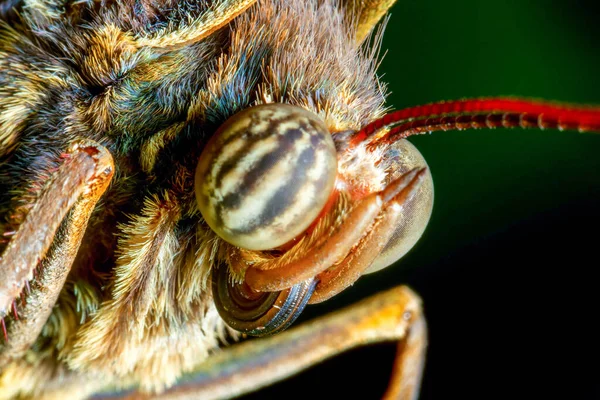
46	241
392	315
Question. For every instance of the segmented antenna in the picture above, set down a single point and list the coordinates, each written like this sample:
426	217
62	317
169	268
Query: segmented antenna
478	114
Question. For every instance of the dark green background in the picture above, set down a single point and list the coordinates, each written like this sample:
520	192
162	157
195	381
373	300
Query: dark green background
506	265
487	180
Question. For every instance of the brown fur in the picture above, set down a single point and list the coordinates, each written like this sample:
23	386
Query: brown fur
151	82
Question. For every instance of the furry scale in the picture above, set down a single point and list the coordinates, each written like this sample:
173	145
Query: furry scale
136	309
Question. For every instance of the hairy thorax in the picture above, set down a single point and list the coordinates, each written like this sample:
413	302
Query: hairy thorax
136	308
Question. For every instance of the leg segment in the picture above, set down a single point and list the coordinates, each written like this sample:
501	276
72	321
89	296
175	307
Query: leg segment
48	239
392	315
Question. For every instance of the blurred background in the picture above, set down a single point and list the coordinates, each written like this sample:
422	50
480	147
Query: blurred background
507	265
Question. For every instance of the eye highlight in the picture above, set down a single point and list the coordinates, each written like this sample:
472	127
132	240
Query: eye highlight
265	175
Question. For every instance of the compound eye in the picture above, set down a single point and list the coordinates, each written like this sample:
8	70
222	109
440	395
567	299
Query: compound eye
265	175
415	212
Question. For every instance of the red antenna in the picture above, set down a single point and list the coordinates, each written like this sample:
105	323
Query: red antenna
478	114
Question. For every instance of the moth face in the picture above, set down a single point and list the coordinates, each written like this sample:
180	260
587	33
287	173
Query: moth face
297	208
269	171
302	209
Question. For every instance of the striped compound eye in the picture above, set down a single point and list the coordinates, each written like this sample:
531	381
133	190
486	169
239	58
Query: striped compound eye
265	175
